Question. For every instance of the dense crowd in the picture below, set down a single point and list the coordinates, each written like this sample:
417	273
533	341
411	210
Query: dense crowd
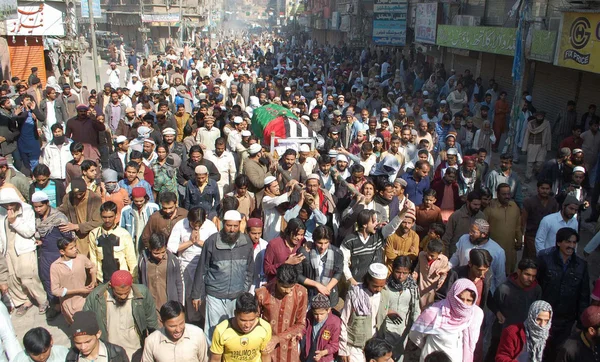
153	218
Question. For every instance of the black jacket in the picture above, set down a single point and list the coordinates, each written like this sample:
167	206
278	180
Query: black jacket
186	171
567	291
114	353
114	163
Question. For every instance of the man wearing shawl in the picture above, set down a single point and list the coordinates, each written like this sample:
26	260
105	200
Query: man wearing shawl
364	313
451	325
526	341
537	142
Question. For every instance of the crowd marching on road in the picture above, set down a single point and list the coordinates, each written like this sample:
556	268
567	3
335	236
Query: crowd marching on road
155	218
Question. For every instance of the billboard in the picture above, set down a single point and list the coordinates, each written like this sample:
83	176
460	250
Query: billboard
426	23
579	45
389	22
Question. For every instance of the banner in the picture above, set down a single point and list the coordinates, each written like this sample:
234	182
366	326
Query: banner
579	46
496	40
389	22
85	9
426	23
162	18
41	19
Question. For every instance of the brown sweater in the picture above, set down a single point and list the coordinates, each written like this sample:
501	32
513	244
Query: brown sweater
158	224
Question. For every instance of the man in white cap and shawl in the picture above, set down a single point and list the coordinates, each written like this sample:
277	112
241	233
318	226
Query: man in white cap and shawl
137	144
225	271
365	310
17	243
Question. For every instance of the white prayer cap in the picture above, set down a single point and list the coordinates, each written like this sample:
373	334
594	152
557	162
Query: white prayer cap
200	170
169	131
121	139
313	176
232	215
452	151
304	148
254	149
385	110
578	169
39	196
342	158
246	133
269	180
238	120
378	271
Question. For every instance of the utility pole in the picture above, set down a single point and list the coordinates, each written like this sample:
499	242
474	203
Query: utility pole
180	23
94	45
518	71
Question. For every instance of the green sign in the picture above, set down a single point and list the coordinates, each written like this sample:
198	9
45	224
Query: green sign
496	40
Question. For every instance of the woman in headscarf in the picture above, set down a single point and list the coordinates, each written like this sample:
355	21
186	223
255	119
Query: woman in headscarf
451	325
403	305
525	342
485	138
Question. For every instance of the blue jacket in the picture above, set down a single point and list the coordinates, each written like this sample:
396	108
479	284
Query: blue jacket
208	199
128	221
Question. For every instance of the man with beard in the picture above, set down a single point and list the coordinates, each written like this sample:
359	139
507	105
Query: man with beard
126	124
225	271
447	193
327	175
176	340
505	175
478	238
173	146
537	142
565	284
124	311
504	217
468	179
460	221
164	221
545	236
535	208
583	345
341	166
85	130
554	169
291	168
256	170
305	160
56	153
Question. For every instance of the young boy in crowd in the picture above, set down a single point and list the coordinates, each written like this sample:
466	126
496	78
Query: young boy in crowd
430	262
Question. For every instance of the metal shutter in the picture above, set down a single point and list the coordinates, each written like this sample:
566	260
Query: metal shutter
23	58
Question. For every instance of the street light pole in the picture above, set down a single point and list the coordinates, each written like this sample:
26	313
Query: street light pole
94	45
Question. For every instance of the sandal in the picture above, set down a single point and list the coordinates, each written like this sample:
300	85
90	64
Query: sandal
22	309
44	307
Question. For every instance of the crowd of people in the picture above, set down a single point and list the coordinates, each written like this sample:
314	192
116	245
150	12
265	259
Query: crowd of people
151	218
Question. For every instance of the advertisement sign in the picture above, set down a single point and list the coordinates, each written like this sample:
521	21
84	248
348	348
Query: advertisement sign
389	22
41	19
496	40
161	18
426	23
85	9
579	46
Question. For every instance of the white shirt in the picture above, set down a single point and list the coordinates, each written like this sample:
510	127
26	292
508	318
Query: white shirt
309	165
259	272
9	345
226	166
50	114
272	216
546	234
208	137
461	258
180	234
